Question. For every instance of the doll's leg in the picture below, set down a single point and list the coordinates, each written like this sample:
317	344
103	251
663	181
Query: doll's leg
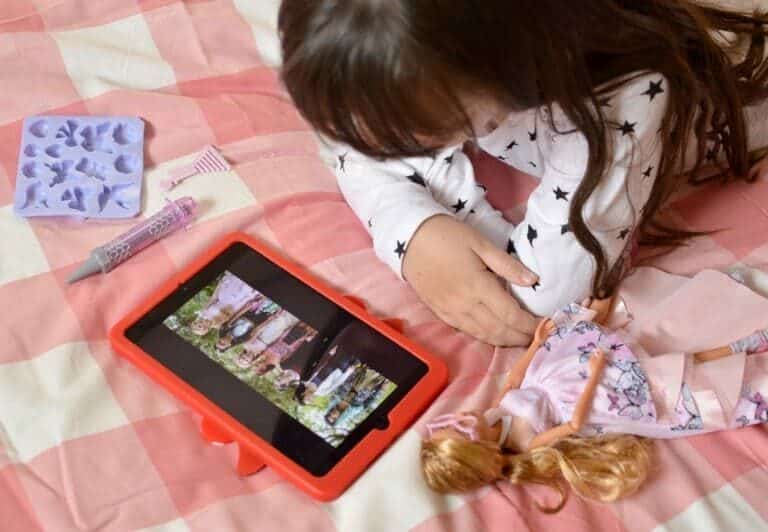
752	407
713	354
757	342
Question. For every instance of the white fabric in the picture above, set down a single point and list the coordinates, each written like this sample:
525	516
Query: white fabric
394	197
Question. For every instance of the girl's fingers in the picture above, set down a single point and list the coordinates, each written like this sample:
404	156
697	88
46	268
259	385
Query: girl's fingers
506	309
495	331
504	264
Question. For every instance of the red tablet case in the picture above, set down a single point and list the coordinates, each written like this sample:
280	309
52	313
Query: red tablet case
254	452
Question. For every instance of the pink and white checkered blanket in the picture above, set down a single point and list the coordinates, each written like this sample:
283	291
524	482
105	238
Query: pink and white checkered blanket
89	443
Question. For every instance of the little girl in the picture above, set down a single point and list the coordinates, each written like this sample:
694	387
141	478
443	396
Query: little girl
604	102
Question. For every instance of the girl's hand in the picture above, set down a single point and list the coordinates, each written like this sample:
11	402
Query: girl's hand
448	263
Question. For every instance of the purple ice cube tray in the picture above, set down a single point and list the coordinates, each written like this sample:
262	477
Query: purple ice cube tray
87	166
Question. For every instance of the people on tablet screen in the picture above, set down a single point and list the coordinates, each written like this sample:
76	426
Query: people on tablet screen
245	324
229	297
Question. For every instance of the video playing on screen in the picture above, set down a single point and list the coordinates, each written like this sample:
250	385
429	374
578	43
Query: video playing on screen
270	349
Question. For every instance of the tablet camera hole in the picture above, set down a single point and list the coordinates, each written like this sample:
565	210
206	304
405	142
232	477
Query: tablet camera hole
381	423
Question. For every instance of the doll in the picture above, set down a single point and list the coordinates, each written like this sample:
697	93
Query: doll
581	402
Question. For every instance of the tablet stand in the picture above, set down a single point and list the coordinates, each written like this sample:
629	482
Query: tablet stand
247	462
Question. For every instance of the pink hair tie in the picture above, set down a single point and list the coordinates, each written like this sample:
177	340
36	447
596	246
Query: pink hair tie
465	424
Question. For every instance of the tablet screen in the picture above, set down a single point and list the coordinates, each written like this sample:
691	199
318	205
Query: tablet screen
254	339
286	362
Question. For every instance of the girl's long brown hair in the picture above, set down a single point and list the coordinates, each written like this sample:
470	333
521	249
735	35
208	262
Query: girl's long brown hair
384	75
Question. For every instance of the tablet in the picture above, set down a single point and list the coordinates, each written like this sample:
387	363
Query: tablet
298	375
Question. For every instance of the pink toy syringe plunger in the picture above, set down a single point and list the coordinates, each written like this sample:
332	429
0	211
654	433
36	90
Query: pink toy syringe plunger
176	215
207	162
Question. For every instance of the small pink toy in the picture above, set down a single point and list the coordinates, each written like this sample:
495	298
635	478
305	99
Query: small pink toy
209	161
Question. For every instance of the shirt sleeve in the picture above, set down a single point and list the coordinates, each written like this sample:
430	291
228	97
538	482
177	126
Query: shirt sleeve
543	241
394	197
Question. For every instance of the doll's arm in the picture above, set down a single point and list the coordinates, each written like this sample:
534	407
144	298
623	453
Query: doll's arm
584	404
552	435
580	412
517	373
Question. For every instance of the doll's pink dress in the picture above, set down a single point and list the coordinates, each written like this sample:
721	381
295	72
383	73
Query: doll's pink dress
665	396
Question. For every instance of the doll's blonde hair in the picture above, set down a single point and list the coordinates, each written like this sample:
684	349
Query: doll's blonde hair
603	469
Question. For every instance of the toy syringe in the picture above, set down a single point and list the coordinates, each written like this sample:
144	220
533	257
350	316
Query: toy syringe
174	216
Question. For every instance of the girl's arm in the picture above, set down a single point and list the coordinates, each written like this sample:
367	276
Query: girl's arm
517	373
581	411
394	197
430	222
544	240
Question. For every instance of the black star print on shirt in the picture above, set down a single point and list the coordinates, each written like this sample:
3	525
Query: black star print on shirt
623	234
370	222
511	247
512	144
648	171
564	229
501	158
532	135
416	178
532	234
449	159
535	285
459	205
532	163
560	194
342	161
400	249
654	88
627	127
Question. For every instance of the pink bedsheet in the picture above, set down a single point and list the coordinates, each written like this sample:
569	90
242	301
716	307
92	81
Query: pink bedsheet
88	443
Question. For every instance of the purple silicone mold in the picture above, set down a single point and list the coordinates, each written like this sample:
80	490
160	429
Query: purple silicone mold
87	166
